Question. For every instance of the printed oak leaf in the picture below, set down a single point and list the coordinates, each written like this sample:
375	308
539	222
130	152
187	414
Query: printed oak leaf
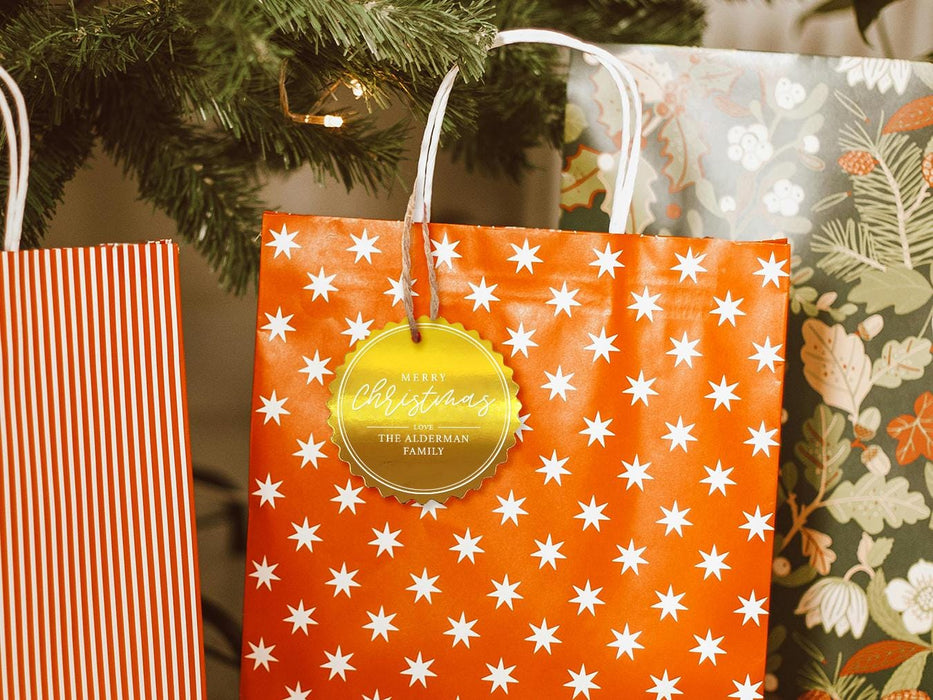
817	546
579	182
906	290
874	502
880	656
823	448
836	366
914	433
901	360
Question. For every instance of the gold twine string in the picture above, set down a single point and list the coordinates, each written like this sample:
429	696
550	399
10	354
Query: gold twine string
331	121
407	298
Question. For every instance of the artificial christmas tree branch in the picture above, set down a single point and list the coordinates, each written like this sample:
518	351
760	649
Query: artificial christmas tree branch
184	94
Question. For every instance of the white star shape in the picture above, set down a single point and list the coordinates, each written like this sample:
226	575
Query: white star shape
746	690
563	300
707	647
636	473
278	325
364	247
591	514
684	350
771	271
482	294
321	285
358	329
718	478
343	581
300	617
461	630
500	676
268	491
261	654
386	541
756	524
674	519
505	592
283	242
727	309
445	252
761	440
713	563
602	345
429	508
645	304
640	388
553	467
607	261
466	546
751	608
297	693
315	368
510	508
722	393
375	696
305	536
766	354
548	552
264	574
582	682
679	434
559	383
338	664
347	497
630	557
625	642
380	624
273	408
543	636
524	257
587	598
309	451
523	426
689	265
669	603
396	290
597	430
419	670
665	687
520	340
423	586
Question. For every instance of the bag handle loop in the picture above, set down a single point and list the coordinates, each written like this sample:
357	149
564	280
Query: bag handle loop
18	147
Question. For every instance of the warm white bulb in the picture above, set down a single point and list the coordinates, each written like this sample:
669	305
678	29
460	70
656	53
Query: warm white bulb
357	88
332	121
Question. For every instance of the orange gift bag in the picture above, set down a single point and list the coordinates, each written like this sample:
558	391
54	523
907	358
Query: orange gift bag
558	484
98	556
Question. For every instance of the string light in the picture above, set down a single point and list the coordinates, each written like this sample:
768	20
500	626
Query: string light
328	121
356	87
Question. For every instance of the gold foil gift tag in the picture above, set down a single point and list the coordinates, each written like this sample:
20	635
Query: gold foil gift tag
424	421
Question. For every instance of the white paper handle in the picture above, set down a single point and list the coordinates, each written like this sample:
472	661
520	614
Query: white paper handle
18	146
631	133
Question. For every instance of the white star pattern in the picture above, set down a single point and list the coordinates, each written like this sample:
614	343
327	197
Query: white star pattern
315	368
268	491
727	309
625	642
674	519
713	563
718	478
665	688
510	508
504	592
756	524
525	257
679	434
669	603
461	630
396	290
273	408
482	295
766	354
430	508
591	514
543	636
320	286
581	682
689	265
358	329
500	677
380	624
771	271
707	647
423	586
283	242
523	426
636	473
746	690
309	451
722	393
264	573
553	468
347	497
466	546
338	664
386	541
607	261
761	440
645	305
630	557
640	388
548	552
597	429
375	696
445	252
300	617
602	345
278	325
296	693
563	300
520	340
684	350
261	654
305	536
364	247
587	598
343	581
751	608
558	383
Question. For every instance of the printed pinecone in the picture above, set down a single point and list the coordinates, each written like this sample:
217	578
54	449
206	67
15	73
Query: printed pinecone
906	695
857	162
927	168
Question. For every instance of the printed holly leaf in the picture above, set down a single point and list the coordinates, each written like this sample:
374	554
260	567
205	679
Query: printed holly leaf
907	676
714	77
900	361
823	448
574	122
883	614
905	290
914	434
682	146
880	656
873	502
817	546
917	114
835	365
579	182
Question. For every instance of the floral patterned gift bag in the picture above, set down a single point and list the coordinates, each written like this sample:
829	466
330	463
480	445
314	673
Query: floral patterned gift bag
836	153
563	489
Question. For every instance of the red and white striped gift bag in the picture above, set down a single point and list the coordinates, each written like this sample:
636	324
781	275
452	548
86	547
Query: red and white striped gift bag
98	558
